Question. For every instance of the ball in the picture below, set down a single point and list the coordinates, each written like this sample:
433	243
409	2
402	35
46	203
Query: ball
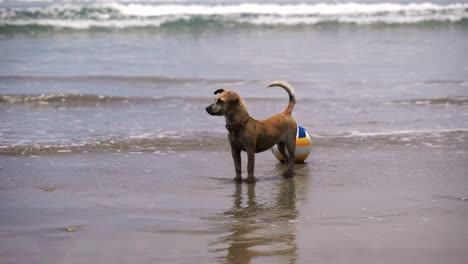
303	146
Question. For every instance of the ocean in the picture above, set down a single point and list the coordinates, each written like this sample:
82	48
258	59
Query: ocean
112	94
85	75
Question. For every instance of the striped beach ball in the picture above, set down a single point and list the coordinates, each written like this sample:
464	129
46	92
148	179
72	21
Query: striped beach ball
303	146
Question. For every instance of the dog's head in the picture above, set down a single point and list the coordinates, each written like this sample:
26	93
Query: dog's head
225	103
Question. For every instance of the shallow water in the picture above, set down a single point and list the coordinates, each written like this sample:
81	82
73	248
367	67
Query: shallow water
358	205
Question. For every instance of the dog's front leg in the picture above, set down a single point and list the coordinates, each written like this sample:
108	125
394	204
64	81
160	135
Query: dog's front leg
236	156
250	164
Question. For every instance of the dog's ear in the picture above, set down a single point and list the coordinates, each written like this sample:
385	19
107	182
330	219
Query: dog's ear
219	91
232	98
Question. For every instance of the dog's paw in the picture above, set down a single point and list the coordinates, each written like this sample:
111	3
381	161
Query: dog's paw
289	174
238	179
250	180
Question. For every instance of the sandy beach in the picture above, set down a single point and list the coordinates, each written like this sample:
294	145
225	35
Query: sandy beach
402	204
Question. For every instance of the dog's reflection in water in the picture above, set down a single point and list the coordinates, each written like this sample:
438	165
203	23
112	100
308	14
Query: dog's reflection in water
262	221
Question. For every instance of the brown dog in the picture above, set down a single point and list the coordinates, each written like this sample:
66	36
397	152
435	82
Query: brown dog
253	136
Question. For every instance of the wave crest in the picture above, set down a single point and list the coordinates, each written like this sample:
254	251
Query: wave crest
138	15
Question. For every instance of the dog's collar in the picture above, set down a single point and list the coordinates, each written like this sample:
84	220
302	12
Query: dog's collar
234	128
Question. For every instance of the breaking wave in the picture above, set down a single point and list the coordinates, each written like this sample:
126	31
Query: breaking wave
146	143
90	100
122	15
62	99
216	140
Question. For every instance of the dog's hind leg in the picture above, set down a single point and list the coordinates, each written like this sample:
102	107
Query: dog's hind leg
282	150
291	148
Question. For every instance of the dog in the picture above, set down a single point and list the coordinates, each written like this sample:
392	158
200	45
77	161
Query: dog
254	136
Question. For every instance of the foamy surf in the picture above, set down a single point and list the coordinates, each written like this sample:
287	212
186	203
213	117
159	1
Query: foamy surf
166	141
406	132
60	98
285	9
444	101
411	133
118	15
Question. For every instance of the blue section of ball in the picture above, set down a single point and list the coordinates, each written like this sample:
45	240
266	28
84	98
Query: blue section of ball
302	132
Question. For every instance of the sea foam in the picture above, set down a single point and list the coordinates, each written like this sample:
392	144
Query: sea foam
85	15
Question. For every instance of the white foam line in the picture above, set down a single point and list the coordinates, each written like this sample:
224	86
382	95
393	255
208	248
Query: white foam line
283	9
122	15
145	10
405	132
390	133
86	24
375	218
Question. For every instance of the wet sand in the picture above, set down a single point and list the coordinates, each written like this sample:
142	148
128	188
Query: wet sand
388	204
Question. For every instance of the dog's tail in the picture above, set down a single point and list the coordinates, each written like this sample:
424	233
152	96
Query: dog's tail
291	93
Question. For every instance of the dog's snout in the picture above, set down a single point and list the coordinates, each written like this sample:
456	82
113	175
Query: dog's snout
208	109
